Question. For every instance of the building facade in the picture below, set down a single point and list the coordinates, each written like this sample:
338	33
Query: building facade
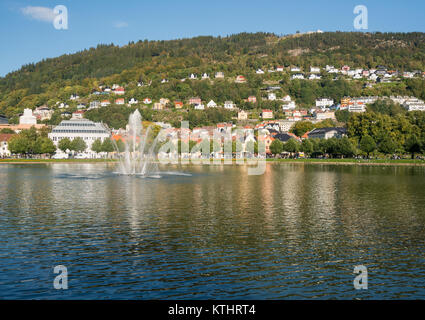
85	129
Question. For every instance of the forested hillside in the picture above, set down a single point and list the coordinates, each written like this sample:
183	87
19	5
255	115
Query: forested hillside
53	80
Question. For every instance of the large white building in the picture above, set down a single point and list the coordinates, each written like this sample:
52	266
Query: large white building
88	130
357	107
324	102
414	104
27	117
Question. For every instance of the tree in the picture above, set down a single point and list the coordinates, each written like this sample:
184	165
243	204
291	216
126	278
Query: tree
301	127
97	146
46	146
291	146
107	146
19	144
64	144
78	145
342	115
345	147
387	146
413	145
276	147
367	144
307	146
7	131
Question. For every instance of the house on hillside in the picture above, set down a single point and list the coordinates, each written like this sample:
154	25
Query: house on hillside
242	115
219	75
119	91
178	104
267	114
105	103
240	79
120	101
229	105
327	133
212	104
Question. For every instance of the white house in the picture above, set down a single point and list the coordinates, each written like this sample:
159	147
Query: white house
205	76
314	69
259	71
272	96
297	76
229	105
94	104
324	102
289	105
414	104
242	115
212	104
357	107
314	77
133	101
199	107
323	115
219	75
295	69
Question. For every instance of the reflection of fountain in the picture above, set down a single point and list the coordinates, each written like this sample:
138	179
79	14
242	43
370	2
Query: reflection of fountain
139	152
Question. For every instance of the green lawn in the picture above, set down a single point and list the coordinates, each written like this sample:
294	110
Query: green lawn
348	160
53	160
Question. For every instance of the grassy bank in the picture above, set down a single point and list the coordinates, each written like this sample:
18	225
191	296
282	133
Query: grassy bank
306	161
353	161
32	161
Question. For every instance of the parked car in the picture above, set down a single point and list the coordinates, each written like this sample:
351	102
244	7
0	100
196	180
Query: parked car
60	156
82	156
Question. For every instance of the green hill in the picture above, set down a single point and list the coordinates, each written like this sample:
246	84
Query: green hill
81	73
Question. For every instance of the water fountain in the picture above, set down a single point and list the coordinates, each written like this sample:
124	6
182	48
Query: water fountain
138	157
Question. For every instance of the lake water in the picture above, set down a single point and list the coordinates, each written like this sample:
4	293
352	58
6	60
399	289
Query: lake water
295	232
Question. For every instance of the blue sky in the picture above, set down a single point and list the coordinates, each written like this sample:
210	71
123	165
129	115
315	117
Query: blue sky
28	35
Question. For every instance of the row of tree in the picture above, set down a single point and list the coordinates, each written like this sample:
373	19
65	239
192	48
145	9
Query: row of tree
348	147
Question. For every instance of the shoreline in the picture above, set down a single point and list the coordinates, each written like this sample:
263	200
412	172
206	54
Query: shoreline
352	162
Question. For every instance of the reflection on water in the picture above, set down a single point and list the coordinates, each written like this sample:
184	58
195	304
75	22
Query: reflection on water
212	232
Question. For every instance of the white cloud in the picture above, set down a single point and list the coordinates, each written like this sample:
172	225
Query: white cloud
120	24
39	13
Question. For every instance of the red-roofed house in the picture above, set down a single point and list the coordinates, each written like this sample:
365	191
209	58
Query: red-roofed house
120	101
240	79
119	90
195	100
178	104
